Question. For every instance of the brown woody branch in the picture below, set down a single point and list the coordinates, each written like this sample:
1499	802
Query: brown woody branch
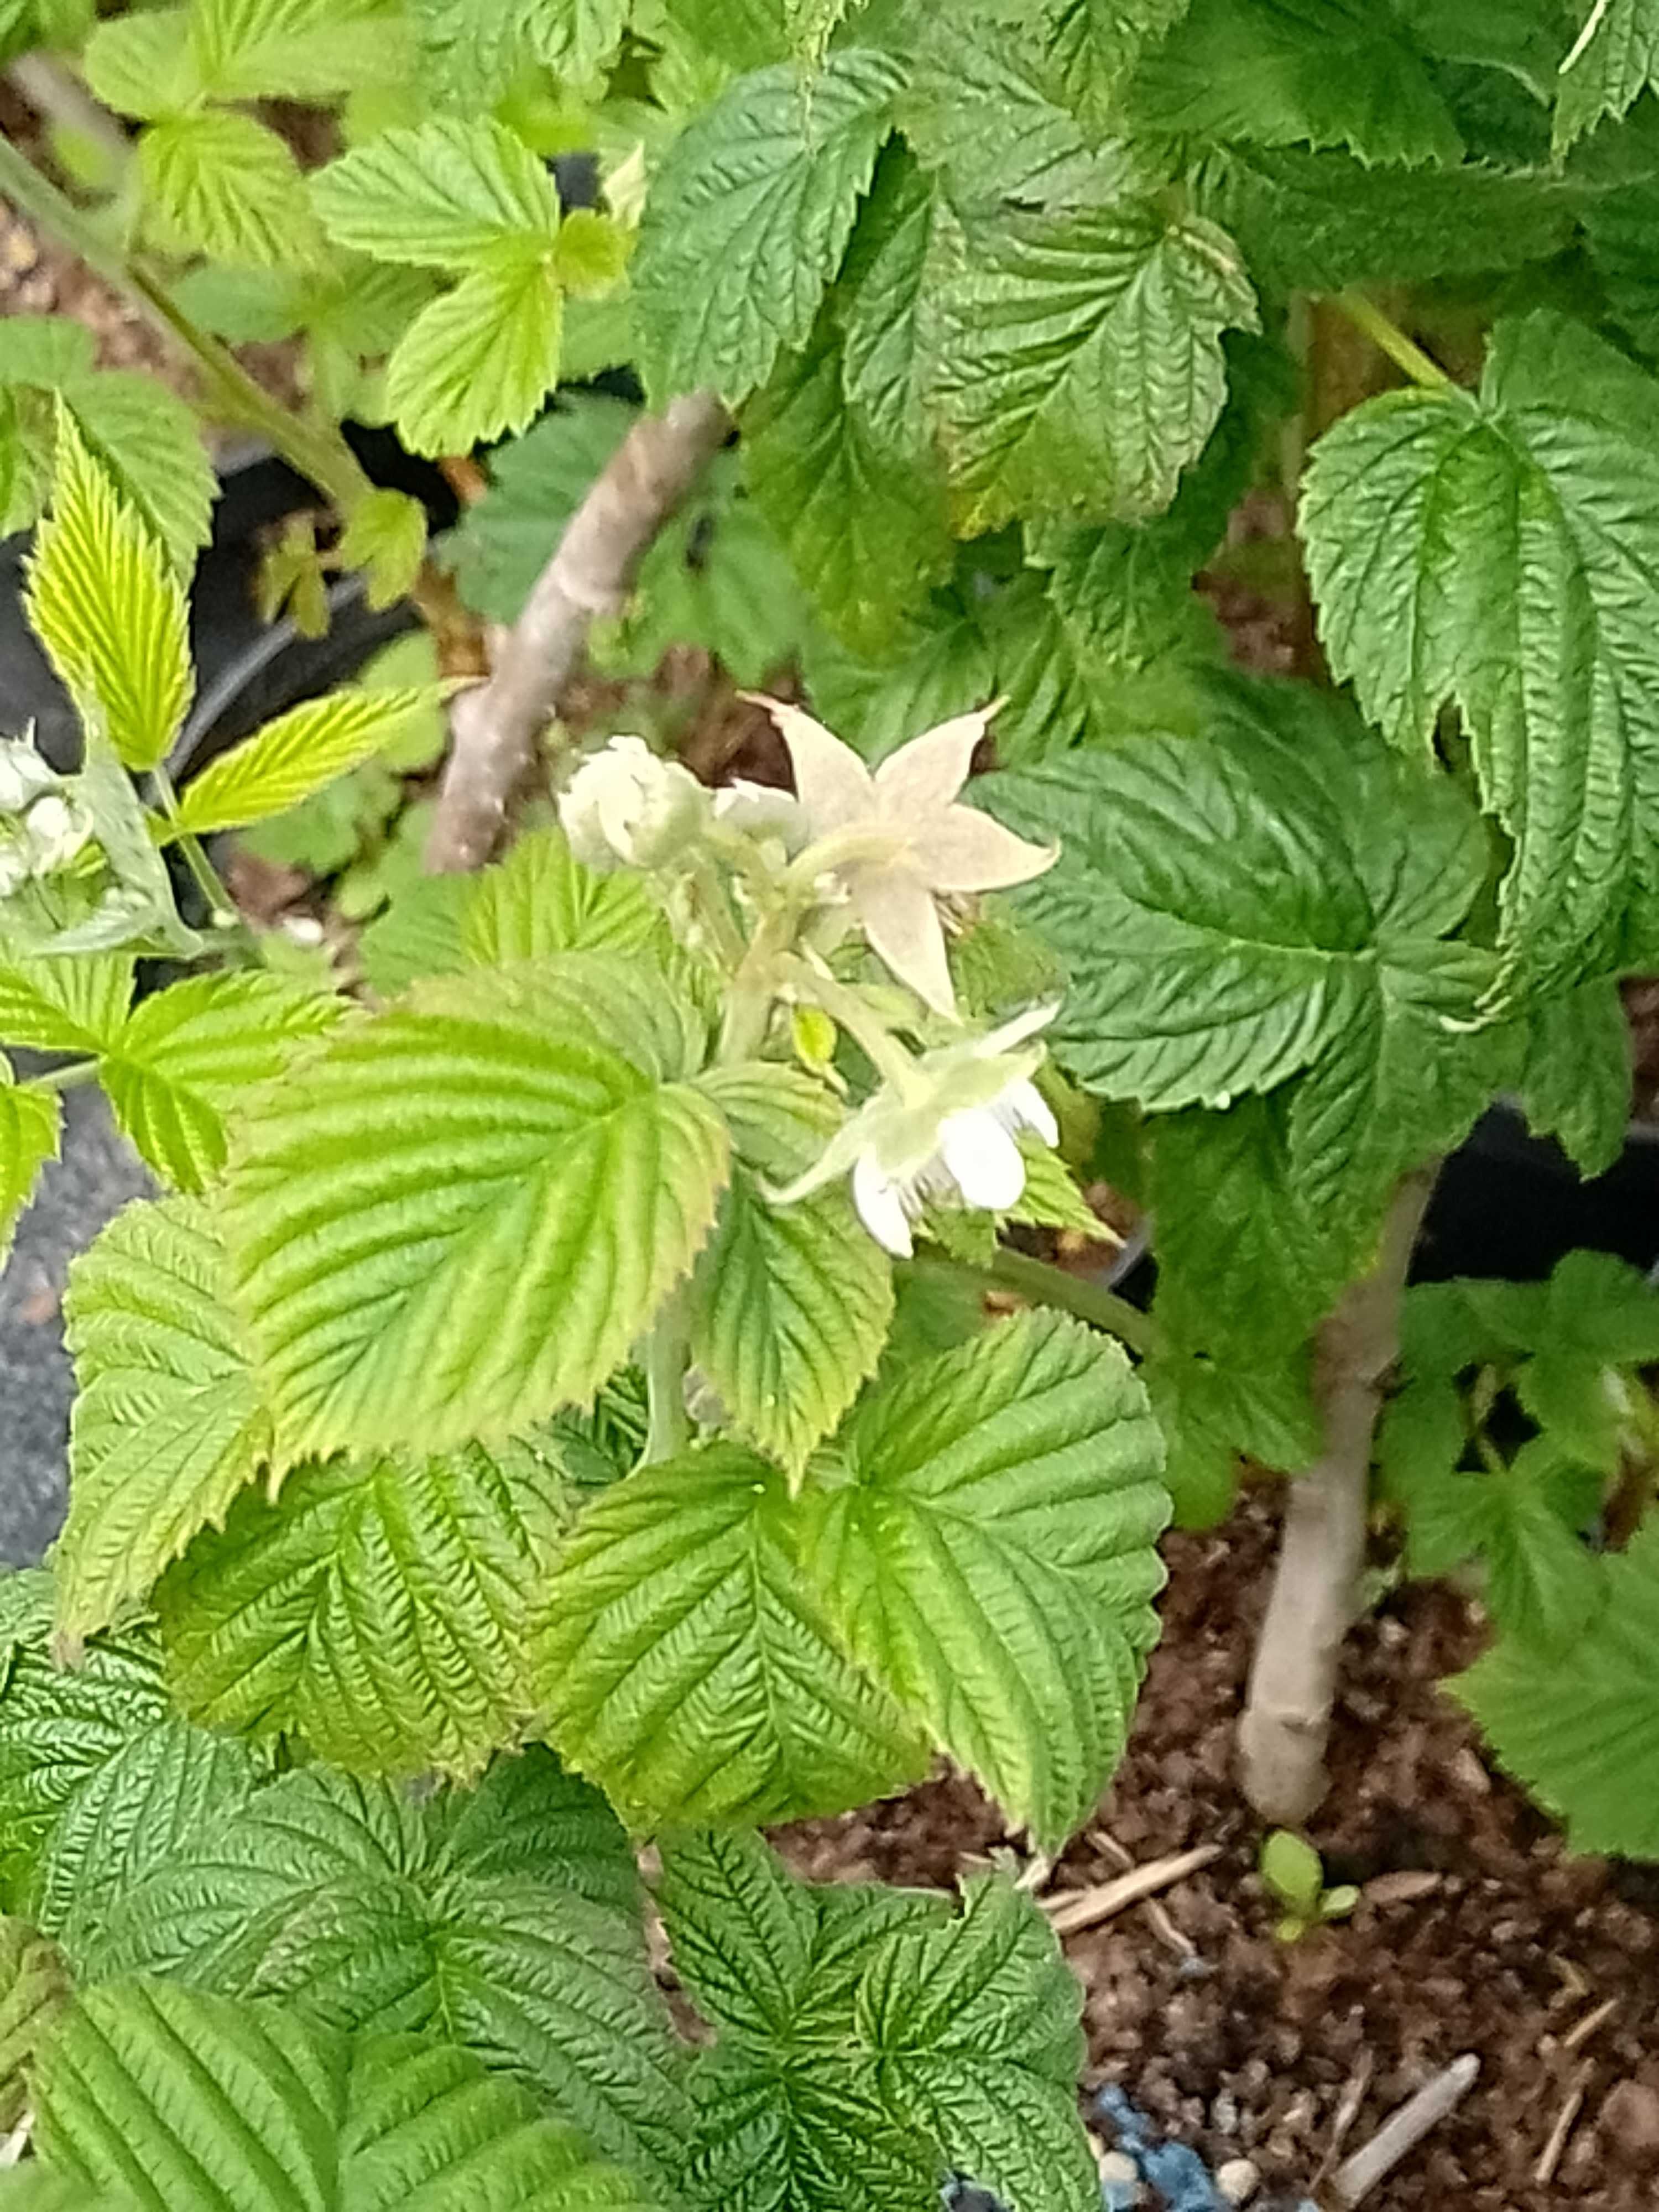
495	725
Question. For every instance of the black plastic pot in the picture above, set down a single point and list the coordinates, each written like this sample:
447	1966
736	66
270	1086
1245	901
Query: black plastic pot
246	670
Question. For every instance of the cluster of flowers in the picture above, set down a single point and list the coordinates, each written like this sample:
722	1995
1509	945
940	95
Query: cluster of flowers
42	827
876	850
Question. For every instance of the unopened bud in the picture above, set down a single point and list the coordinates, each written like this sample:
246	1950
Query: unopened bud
625	804
23	776
56	832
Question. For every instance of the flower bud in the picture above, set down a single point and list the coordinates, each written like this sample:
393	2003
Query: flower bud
56	831
625	804
761	810
23	776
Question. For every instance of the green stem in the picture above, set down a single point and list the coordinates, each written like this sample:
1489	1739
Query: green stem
1045	1285
69	1077
666	1354
316	450
223	913
851	1013
715	910
1365	315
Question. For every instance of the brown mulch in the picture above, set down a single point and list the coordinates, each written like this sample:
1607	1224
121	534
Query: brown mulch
1477	1931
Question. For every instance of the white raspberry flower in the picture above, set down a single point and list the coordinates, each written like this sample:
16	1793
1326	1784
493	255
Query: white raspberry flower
949	1137
916	841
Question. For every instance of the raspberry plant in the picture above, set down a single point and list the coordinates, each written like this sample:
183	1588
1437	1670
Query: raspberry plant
524	1420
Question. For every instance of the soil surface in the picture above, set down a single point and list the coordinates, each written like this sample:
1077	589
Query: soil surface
1475	1932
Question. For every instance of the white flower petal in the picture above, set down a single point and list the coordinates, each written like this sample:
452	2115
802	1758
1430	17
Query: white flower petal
902	925
880	1208
963	850
831	782
983	1159
1028	1108
922	778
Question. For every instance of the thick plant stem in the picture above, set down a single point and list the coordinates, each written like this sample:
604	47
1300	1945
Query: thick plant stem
591	574
1365	315
1286	1726
316	450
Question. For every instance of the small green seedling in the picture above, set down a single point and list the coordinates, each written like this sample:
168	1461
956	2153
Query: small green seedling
1295	1876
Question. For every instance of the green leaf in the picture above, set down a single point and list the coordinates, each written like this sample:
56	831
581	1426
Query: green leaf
974	2024
1317	222
378	1610
162	2095
1541	1583
745	33
1293	1871
539	901
103	600
506	1918
537	482
144	64
169	1424
1212	1414
526	1129
869	2037
685	1664
100	1779
28	1139
143	435
216	182
446	194
294	49
478	51
418	934
299	752
185	1056
886	307
1615	58
1080	367
748	217
989	1553
1226	919
1498	553
478	361
866	529
384	535
1282	72
1580	1728
790	1304
1576	1080
33	1989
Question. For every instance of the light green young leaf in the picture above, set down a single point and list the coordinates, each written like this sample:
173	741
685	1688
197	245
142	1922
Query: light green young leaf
506	1918
145	436
1320	72
989	1553
526	1130
162	2095
295	49
864	527
790	1305
1080	367
103	599
28	1139
169	1422
476	51
185	1057
446	194
1498	552
749	218
478	361
100	1779
216	182
539	902
1580	1728
63	1002
1614	59
385	535
144	64
299	752
377	1609
685	1664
